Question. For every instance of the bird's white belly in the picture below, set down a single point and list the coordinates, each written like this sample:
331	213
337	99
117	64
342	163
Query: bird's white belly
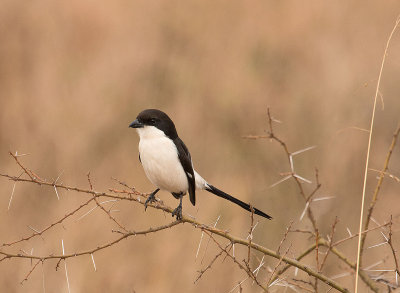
161	164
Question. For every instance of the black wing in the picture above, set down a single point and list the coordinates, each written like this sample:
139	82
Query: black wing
139	158
186	161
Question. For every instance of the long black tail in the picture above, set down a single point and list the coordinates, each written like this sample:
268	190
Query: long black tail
246	206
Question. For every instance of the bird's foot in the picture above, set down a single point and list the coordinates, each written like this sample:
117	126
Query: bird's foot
177	212
151	198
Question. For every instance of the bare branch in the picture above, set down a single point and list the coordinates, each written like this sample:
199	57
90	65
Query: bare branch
377	188
361	238
390	242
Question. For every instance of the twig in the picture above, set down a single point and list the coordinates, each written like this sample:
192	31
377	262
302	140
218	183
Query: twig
356	235
317	249
30	272
296	177
211	263
284	236
359	248
109	215
91	251
246	269
59	221
330	244
23	168
271	278
390	242
250	234
315	284
89	180
208	242
102	208
378	187
300	286
395	178
123	184
43	280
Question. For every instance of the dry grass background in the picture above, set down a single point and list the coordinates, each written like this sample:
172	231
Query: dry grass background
74	74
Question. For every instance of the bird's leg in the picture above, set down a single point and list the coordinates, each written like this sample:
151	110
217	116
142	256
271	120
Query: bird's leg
151	198
178	211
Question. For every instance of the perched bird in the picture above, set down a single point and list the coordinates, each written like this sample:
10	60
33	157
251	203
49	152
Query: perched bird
167	162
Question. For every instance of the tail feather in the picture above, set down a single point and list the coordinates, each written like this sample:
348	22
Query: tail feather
240	203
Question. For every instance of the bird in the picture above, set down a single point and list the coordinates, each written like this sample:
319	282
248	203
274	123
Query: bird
168	165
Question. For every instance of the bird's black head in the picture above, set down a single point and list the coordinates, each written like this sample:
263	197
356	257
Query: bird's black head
156	118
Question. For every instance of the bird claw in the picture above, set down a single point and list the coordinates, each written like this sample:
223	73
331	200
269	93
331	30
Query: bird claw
177	212
151	198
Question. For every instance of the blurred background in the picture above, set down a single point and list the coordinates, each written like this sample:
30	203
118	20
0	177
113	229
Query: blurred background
74	74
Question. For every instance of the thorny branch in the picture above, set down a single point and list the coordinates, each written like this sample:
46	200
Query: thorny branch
185	219
308	198
330	241
390	242
211	262
245	267
60	257
275	277
377	189
128	195
102	208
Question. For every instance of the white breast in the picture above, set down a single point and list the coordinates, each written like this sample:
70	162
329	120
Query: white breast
160	161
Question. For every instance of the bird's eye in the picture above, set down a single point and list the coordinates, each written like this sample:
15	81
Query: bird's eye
152	121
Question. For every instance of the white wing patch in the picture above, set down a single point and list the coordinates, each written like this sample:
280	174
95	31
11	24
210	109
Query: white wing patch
200	182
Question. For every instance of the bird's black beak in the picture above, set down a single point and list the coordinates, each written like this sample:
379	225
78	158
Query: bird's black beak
136	124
